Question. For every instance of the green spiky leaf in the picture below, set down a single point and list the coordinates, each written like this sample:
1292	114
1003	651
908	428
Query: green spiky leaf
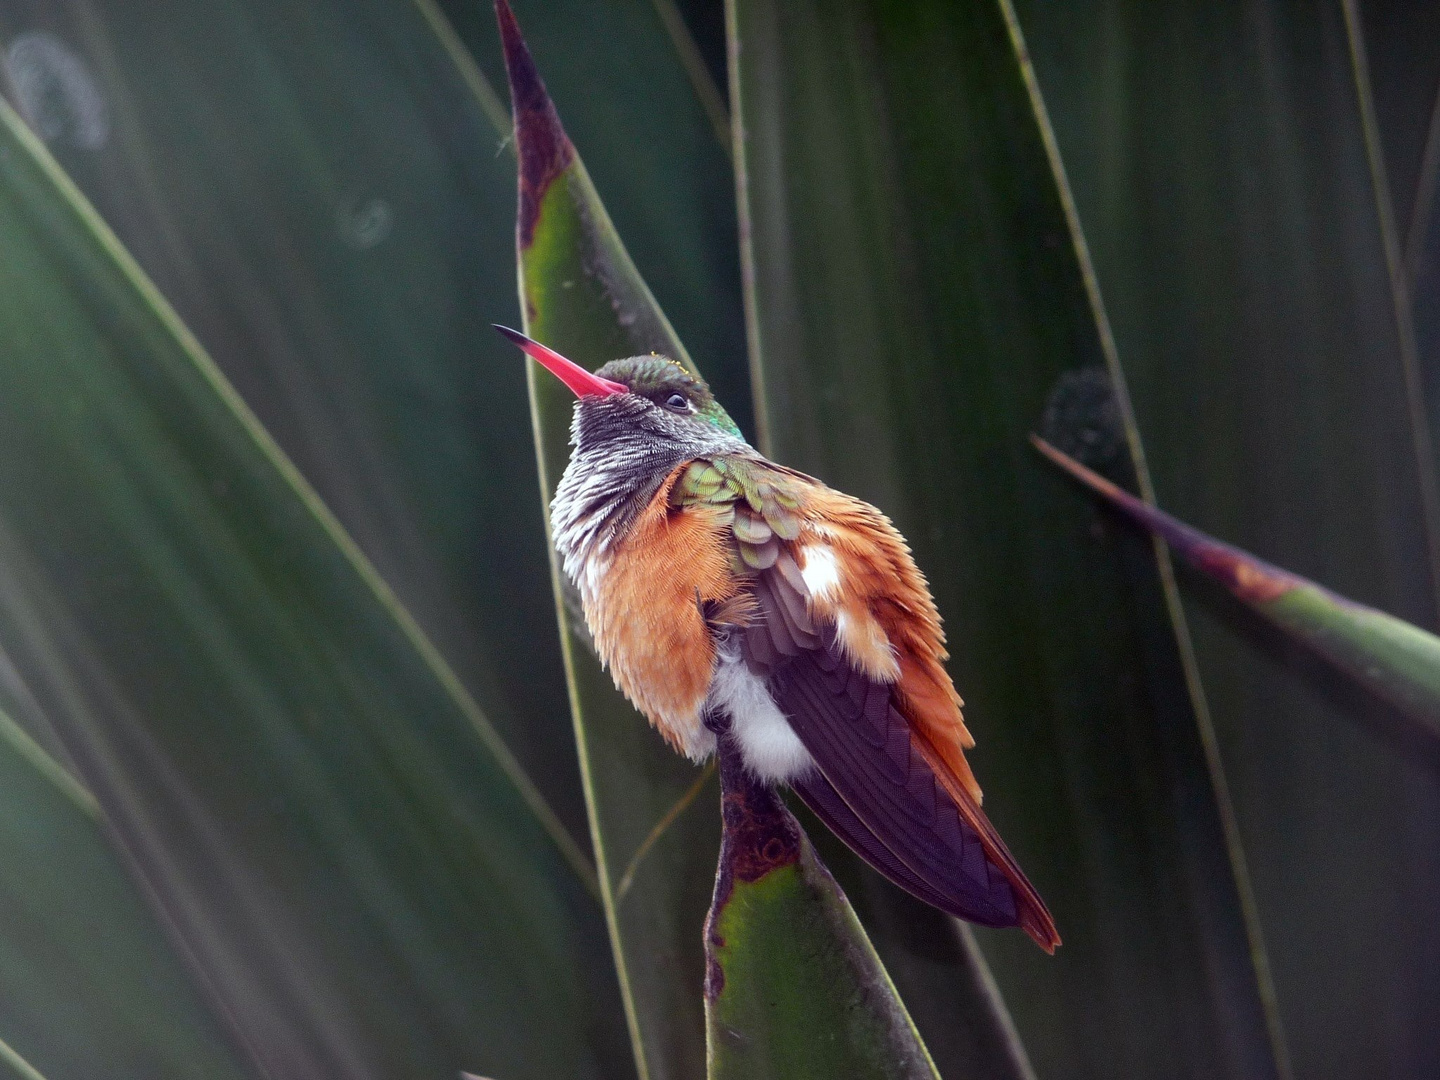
581	295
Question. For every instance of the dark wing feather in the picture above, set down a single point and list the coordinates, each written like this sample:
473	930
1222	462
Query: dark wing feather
863	748
826	804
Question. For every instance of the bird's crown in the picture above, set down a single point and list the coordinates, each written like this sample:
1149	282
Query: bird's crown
665	383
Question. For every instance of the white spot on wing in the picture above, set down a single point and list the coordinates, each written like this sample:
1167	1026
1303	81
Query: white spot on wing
768	745
821	572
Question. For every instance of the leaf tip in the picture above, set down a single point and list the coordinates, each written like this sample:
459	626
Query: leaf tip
545	151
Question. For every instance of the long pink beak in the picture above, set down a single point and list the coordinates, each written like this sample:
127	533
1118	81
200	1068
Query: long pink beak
580	381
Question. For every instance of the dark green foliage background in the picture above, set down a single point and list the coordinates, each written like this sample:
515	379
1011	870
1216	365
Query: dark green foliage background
329	206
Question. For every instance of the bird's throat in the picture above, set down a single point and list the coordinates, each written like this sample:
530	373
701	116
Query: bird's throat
599	498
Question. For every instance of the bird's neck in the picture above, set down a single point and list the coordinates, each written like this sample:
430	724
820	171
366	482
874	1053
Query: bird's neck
604	489
619	462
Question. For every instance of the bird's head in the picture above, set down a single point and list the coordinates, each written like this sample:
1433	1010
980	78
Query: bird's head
648	396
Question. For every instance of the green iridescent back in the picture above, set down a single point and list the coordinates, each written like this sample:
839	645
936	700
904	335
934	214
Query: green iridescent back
657	377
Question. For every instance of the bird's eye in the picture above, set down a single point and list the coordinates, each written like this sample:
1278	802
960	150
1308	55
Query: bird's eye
678	402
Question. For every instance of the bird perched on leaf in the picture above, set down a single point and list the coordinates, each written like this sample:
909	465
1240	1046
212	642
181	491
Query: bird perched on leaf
728	593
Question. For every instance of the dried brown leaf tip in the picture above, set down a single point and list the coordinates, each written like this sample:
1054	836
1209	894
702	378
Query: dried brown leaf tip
545	151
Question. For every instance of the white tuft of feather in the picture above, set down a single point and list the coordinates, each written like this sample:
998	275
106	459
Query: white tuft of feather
821	571
768	745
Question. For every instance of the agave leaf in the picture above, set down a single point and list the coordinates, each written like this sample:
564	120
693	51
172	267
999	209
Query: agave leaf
1388	656
919	295
582	295
338	845
793	988
943	978
86	975
565	244
1237	232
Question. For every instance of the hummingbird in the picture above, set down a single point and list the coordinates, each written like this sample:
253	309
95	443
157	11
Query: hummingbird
727	593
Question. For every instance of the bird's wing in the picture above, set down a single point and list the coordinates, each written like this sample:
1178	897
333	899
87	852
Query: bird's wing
839	622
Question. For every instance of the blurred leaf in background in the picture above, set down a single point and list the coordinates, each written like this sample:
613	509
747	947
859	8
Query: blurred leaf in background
325	202
1220	165
358	874
329	822
87	973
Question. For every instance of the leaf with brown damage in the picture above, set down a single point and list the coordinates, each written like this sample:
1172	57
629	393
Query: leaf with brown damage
1388	656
